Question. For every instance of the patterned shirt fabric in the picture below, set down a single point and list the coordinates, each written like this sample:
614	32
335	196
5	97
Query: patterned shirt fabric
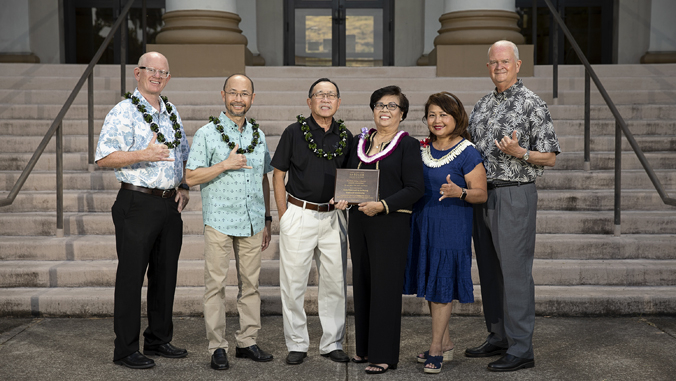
125	130
498	114
232	202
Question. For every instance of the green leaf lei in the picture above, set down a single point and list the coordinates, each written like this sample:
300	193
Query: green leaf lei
226	138
313	146
153	126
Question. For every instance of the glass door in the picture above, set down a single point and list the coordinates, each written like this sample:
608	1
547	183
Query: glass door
338	33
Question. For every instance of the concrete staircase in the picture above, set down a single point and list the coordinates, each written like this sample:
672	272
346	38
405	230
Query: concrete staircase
581	268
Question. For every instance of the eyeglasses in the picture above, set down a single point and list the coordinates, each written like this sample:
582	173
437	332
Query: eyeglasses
330	96
390	106
153	71
235	94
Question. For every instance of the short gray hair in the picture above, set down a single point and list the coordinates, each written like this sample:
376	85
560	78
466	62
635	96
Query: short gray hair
508	43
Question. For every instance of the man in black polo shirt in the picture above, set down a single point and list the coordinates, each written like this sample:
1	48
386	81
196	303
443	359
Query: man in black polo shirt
310	150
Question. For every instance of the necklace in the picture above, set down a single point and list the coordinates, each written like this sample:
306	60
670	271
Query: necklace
153	126
226	138
431	162
320	153
361	147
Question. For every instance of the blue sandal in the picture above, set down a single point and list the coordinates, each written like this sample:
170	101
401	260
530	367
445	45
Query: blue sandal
448	356
436	361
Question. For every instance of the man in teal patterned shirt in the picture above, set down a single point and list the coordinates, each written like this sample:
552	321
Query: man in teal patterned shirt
230	159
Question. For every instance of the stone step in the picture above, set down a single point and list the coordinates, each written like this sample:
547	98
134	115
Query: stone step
547	246
97	201
97	247
602	131
191	273
553	179
549	222
566	160
79	143
347	112
266	83
549	300
417	95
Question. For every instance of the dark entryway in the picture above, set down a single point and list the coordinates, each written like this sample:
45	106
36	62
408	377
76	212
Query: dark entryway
338	32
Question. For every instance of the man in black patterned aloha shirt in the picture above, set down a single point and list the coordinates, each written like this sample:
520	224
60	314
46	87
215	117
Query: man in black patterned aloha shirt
513	131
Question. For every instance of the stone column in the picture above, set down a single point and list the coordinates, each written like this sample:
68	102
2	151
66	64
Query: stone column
15	43
467	31
201	38
662	33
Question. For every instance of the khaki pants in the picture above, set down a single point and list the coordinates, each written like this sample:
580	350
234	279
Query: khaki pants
247	250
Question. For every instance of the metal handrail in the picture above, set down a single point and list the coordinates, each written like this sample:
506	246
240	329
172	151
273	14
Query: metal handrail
57	124
620	126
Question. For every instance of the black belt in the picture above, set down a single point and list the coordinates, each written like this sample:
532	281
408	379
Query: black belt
310	205
164	193
504	183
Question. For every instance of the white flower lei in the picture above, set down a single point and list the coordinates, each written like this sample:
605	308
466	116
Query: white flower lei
436	163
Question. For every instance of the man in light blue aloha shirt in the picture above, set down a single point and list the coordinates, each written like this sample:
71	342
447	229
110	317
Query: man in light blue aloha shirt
230	159
143	139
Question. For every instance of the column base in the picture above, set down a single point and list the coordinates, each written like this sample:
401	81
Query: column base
203	60
19	58
470	60
658	57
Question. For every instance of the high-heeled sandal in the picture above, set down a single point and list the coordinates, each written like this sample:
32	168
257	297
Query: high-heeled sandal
448	356
436	361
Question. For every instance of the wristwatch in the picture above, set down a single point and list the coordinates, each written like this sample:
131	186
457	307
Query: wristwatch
525	156
268	218
184	186
464	194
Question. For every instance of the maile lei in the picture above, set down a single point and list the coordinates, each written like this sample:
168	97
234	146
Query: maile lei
364	137
254	141
153	126
320	153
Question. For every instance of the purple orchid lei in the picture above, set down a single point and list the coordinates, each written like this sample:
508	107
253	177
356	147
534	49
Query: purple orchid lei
361	147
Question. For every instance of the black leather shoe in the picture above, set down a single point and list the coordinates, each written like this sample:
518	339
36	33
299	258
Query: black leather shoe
136	361
337	355
295	358
219	360
508	363
485	350
164	350
253	352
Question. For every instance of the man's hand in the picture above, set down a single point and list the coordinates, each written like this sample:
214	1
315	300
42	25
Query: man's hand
235	160
155	151
267	235
182	198
511	146
340	205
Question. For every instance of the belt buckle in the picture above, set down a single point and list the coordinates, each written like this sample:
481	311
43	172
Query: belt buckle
165	193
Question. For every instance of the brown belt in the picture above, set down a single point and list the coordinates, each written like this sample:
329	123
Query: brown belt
311	205
164	193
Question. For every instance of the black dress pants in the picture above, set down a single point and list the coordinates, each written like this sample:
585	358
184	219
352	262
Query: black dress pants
148	235
378	247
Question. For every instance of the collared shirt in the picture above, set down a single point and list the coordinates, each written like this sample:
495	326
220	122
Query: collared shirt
125	130
232	202
498	114
310	178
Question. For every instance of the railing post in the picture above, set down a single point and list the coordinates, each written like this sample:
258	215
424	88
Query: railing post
555	62
90	122
587	126
534	25
123	55
59	180
144	25
618	177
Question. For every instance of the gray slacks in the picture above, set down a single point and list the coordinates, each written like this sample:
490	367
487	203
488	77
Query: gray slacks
504	242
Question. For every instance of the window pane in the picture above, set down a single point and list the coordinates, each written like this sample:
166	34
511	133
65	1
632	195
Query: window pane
313	37
364	37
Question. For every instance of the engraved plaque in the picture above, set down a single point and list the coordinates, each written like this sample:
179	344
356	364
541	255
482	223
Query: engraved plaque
356	185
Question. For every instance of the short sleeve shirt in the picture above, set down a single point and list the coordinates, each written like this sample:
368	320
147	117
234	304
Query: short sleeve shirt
125	130
232	202
497	115
310	178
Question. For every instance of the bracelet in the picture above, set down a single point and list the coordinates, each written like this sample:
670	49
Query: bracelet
268	218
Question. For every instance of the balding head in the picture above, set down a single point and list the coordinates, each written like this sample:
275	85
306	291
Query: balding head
503	43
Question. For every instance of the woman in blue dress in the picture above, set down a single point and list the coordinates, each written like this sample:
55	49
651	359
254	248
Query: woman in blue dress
440	252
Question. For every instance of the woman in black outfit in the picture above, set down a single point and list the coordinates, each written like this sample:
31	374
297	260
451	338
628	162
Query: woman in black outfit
379	231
